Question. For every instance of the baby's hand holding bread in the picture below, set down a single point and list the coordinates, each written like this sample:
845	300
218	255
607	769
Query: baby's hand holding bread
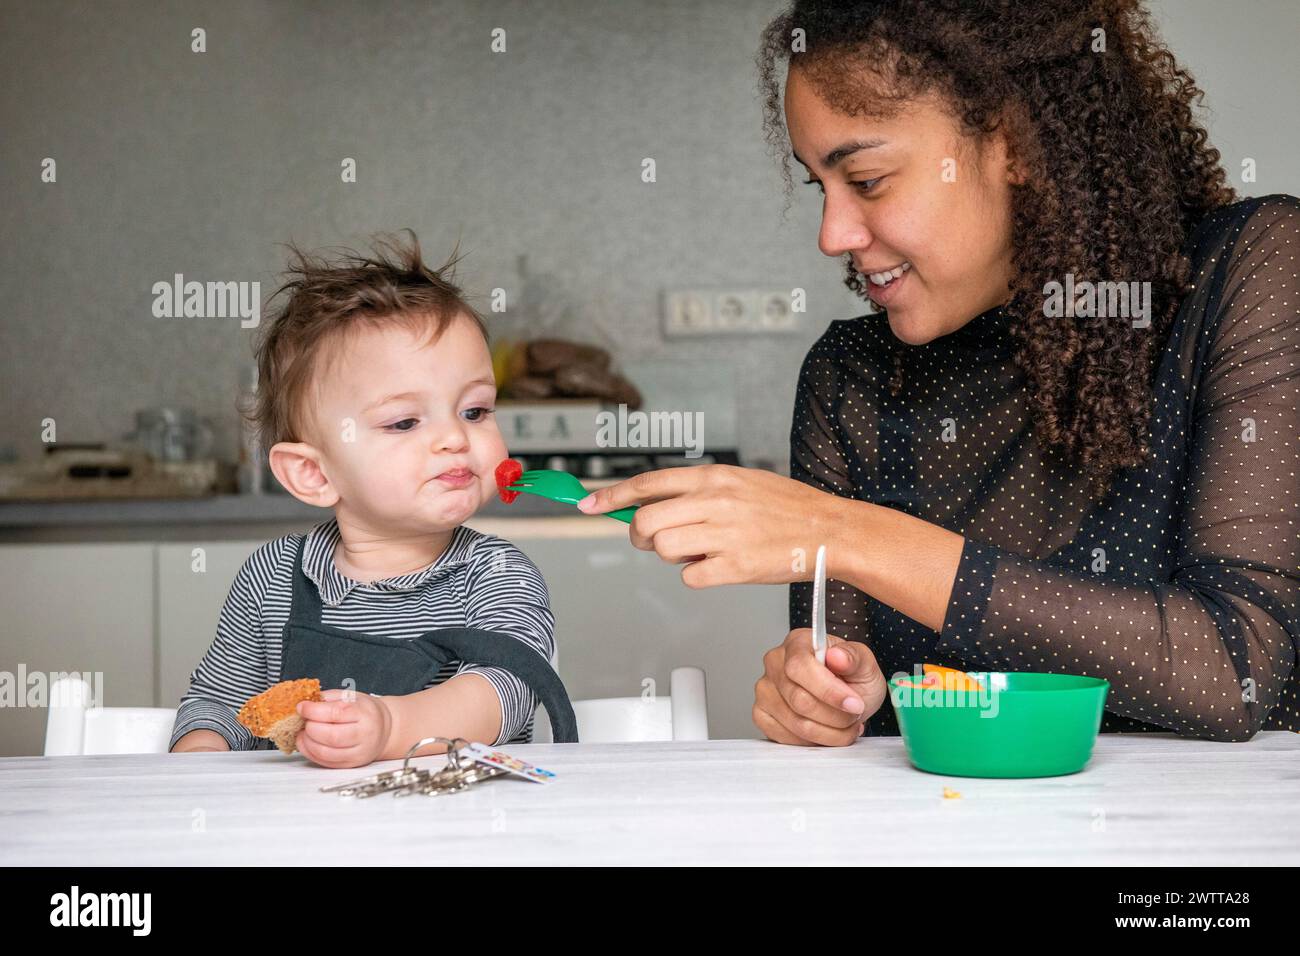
346	728
274	712
333	728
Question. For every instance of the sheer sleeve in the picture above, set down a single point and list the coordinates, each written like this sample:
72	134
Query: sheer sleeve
1209	649
818	458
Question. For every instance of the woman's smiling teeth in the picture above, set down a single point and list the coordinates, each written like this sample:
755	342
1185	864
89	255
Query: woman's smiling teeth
884	278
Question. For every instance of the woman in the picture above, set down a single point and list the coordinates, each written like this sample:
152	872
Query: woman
1009	474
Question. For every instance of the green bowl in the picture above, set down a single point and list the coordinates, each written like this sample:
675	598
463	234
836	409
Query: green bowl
1023	725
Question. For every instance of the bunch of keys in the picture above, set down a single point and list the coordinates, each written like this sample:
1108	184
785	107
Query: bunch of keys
459	773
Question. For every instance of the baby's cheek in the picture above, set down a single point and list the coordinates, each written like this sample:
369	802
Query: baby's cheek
490	454
487	489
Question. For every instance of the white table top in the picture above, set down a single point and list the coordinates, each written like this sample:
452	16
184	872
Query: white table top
1142	799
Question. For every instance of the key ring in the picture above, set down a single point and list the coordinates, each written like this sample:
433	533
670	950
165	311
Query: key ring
453	744
459	773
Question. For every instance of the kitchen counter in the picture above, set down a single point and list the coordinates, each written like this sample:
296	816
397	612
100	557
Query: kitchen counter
215	508
267	516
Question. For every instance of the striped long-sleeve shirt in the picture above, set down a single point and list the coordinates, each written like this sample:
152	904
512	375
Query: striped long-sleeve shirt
480	581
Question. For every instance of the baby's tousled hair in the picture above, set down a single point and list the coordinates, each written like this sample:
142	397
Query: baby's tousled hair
327	298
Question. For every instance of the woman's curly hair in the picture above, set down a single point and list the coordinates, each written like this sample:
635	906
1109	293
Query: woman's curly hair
1100	116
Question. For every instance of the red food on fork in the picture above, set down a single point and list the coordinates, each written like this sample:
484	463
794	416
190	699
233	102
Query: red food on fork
508	473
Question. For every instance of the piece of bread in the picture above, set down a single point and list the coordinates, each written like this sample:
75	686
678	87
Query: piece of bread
273	713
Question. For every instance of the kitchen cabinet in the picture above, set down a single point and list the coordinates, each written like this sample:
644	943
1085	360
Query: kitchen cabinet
192	583
623	617
75	607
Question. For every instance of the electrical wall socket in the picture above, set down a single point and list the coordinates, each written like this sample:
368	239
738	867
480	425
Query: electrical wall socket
729	312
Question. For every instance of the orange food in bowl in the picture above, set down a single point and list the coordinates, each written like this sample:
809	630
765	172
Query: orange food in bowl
949	678
943	678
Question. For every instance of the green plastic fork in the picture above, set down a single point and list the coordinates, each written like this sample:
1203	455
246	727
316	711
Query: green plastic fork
562	487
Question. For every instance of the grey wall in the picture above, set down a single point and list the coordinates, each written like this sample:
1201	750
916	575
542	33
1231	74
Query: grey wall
171	161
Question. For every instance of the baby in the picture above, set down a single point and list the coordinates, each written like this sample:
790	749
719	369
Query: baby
375	398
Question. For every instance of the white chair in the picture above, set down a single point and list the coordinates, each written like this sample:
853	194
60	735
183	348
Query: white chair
682	715
74	727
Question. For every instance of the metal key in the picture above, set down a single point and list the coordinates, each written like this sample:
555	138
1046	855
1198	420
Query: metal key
405	775
449	779
457	775
396	784
365	781
454	782
407	779
460	773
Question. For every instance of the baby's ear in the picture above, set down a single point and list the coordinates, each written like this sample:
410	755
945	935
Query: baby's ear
296	465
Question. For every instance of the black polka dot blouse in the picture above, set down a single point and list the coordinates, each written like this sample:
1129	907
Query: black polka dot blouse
1181	586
